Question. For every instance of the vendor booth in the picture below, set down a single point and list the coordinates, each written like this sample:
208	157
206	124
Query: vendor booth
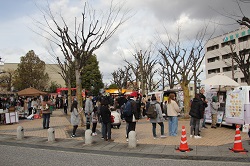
220	85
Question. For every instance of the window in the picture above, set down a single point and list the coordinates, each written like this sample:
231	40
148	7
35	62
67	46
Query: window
213	47
244	38
191	88
227	56
243	79
244	52
214	71
228	43
236	79
229	68
225	69
213	59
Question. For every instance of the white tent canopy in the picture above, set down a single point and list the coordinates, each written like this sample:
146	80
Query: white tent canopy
220	80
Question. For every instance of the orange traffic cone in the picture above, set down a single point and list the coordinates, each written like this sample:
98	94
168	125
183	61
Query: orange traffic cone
237	142
183	145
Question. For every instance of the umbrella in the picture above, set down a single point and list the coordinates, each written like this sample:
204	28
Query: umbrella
30	92
220	80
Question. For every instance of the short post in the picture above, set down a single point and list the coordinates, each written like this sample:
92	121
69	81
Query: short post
51	135
20	133
132	141
88	137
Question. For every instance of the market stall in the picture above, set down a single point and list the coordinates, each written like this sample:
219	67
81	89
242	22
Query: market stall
218	85
29	92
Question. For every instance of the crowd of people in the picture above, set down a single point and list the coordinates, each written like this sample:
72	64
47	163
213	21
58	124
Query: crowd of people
98	110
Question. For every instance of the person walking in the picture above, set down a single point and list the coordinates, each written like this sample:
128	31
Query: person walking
94	117
75	118
214	106
46	112
196	113
131	120
88	110
159	119
106	123
172	111
65	105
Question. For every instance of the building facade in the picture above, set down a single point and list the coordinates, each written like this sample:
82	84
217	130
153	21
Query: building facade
219	51
52	70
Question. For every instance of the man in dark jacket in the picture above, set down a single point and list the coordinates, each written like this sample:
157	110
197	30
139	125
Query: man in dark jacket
106	123
203	98
196	114
131	120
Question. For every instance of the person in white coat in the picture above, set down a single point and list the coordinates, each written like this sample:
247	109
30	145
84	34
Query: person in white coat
75	118
172	110
159	119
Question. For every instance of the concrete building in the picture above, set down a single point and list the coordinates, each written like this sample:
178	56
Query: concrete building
219	50
52	70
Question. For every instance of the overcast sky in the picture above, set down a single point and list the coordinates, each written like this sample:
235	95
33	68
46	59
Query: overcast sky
17	38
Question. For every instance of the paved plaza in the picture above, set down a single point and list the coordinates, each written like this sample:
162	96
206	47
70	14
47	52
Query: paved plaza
214	142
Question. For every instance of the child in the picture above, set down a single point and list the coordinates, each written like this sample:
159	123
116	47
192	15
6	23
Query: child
94	117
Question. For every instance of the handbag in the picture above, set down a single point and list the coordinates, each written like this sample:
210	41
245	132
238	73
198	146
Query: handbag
112	119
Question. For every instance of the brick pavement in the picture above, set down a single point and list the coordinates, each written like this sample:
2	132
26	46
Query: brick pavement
213	146
61	124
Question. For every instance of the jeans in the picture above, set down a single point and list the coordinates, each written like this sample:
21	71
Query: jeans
106	130
94	127
65	109
204	121
46	118
172	125
131	127
154	128
74	129
194	123
88	121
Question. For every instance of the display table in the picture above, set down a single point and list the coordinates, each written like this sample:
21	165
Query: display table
11	117
2	118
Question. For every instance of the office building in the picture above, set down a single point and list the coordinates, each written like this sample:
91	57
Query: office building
219	50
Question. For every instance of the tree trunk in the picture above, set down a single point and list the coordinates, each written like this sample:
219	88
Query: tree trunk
69	93
79	88
186	100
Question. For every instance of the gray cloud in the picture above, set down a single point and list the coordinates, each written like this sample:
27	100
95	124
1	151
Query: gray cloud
140	30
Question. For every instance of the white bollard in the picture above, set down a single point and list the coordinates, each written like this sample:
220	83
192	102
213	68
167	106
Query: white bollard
20	133
88	137
132	141
51	135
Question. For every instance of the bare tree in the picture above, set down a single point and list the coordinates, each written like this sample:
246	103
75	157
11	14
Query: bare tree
166	71
87	35
183	61
143	69
242	59
121	77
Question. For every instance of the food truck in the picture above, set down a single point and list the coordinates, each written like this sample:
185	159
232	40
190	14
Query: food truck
234	106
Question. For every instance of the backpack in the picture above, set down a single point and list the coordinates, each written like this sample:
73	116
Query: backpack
151	113
127	110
